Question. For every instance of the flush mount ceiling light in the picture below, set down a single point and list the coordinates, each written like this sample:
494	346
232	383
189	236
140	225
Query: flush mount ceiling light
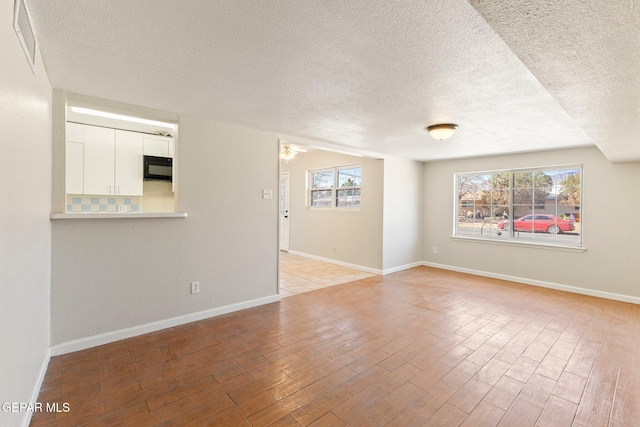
442	131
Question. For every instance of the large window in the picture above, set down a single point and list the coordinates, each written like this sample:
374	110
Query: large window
337	187
534	205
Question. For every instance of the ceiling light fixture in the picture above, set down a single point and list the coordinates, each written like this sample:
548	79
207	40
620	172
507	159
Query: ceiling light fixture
287	154
442	131
121	117
288	151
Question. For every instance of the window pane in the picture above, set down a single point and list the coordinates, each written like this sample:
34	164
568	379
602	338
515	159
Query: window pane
466	223
321	198
322	179
500	197
349	198
542	179
477	204
522	180
483	211
522	196
500	211
350	177
565	207
482	184
568	195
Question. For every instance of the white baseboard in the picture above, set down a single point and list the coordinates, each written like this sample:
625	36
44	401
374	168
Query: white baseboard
96	340
402	267
336	262
359	267
541	283
26	420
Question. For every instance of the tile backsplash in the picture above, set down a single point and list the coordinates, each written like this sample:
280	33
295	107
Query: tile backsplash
79	203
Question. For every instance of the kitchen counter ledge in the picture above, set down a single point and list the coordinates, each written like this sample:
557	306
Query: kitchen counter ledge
115	215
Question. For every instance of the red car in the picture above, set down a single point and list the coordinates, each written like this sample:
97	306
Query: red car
539	222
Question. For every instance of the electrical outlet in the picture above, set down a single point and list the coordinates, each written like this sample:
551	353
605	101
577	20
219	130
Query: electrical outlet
267	194
435	250
122	208
195	287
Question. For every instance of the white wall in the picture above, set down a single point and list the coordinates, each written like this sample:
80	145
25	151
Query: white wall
610	262
25	239
402	239
356	235
112	274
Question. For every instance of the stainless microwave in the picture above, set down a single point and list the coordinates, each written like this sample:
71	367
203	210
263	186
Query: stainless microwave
158	168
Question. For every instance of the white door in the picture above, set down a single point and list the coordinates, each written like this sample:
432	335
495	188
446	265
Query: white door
284	211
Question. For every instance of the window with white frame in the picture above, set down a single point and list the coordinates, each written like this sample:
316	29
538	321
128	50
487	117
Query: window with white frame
337	187
541	205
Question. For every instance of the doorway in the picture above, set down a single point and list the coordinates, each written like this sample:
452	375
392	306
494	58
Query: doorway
301	272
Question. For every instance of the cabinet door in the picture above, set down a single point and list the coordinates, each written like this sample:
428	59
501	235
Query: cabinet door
158	147
74	168
129	168
74	132
99	160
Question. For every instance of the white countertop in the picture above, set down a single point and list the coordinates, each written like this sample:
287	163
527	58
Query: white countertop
96	215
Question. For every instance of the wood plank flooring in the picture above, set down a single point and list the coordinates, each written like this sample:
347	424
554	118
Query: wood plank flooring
422	347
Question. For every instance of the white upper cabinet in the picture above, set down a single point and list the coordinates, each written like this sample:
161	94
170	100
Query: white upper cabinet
103	161
99	160
158	146
74	159
75	132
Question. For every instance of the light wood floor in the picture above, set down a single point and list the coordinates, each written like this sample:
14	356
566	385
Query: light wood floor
301	274
418	347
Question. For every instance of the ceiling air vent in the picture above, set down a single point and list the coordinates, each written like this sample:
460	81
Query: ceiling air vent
24	28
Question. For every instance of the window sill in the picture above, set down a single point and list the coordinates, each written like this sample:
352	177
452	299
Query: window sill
546	246
116	215
315	208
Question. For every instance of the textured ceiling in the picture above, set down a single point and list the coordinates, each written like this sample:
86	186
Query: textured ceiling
586	54
369	74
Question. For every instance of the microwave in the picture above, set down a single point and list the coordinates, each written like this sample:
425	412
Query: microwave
158	168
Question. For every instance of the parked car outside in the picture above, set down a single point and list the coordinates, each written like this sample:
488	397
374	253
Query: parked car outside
539	222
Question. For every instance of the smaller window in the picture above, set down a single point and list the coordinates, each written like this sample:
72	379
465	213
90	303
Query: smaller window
337	187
